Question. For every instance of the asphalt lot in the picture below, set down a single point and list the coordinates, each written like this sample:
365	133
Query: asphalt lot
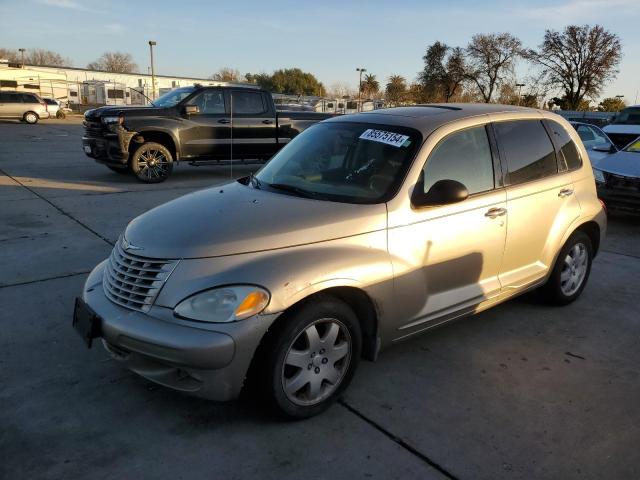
521	391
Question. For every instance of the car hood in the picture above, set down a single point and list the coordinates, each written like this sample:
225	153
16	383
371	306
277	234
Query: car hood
626	164
126	110
234	218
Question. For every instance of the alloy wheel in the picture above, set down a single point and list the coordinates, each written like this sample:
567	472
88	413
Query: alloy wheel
574	269
316	362
153	164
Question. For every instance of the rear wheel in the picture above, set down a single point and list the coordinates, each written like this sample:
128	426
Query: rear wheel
571	270
312	357
30	117
152	163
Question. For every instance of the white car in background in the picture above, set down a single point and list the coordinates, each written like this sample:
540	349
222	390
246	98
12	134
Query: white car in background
56	108
625	127
596	142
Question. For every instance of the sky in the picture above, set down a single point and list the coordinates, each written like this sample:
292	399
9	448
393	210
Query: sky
328	38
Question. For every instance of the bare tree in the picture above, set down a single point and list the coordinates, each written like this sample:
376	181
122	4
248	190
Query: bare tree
579	60
116	62
36	56
227	74
444	72
491	60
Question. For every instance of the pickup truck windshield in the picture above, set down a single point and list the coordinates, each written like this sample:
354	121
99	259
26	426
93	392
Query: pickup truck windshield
343	162
628	116
173	97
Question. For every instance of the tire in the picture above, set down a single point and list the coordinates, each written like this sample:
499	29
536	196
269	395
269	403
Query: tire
571	270
121	171
310	358
60	114
31	118
146	171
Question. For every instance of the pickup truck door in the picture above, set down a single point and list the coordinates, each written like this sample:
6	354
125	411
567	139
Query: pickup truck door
254	123
207	133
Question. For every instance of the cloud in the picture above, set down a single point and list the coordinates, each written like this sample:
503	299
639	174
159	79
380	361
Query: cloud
62	4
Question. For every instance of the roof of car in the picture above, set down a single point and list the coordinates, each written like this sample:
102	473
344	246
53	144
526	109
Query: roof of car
428	117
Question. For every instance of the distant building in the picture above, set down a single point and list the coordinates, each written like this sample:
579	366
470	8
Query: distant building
80	86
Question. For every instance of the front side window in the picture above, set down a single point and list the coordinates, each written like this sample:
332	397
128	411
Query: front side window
570	158
209	102
463	156
247	103
528	150
342	162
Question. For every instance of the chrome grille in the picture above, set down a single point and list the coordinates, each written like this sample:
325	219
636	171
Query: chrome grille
133	281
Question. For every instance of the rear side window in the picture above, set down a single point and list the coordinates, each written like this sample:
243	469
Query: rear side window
247	103
27	98
463	156
569	155
527	149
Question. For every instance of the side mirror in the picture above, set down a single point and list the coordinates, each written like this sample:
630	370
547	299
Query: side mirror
191	109
604	148
443	192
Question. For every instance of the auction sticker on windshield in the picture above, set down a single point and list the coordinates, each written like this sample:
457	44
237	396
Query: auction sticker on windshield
382	136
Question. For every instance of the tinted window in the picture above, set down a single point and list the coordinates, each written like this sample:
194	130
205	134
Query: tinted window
49	101
27	98
209	102
528	150
463	156
247	103
569	155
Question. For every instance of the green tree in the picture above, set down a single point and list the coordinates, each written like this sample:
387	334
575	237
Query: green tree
580	60
611	104
293	81
396	90
261	79
370	86
444	72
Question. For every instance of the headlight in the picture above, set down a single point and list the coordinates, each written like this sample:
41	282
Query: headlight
225	304
598	175
111	120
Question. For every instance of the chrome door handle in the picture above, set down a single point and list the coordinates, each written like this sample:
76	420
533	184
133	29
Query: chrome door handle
565	192
495	212
224	120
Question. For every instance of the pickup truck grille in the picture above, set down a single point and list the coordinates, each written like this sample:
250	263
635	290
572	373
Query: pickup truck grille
133	281
93	129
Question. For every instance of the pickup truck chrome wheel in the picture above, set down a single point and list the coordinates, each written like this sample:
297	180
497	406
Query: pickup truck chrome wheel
571	270
152	163
316	362
309	356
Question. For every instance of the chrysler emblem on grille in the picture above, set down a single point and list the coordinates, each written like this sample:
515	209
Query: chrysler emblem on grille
129	246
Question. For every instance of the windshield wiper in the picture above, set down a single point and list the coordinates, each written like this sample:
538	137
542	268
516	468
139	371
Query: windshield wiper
291	189
142	93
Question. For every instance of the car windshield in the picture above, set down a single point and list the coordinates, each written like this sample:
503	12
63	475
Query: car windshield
628	116
633	146
343	162
173	97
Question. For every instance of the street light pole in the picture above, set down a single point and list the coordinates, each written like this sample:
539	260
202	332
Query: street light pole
519	85
21	50
360	70
153	72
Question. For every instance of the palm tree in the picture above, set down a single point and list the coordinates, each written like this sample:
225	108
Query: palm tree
396	89
370	86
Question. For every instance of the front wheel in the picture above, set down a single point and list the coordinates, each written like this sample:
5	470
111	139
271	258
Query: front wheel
152	163
312	357
571	270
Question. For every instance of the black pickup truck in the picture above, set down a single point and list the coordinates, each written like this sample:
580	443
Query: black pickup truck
196	124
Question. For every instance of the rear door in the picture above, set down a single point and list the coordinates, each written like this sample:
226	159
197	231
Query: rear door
254	123
207	133
540	201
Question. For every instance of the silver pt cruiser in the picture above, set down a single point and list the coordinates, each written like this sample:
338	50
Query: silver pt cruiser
365	230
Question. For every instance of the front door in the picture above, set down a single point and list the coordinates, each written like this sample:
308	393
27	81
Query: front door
446	258
206	133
